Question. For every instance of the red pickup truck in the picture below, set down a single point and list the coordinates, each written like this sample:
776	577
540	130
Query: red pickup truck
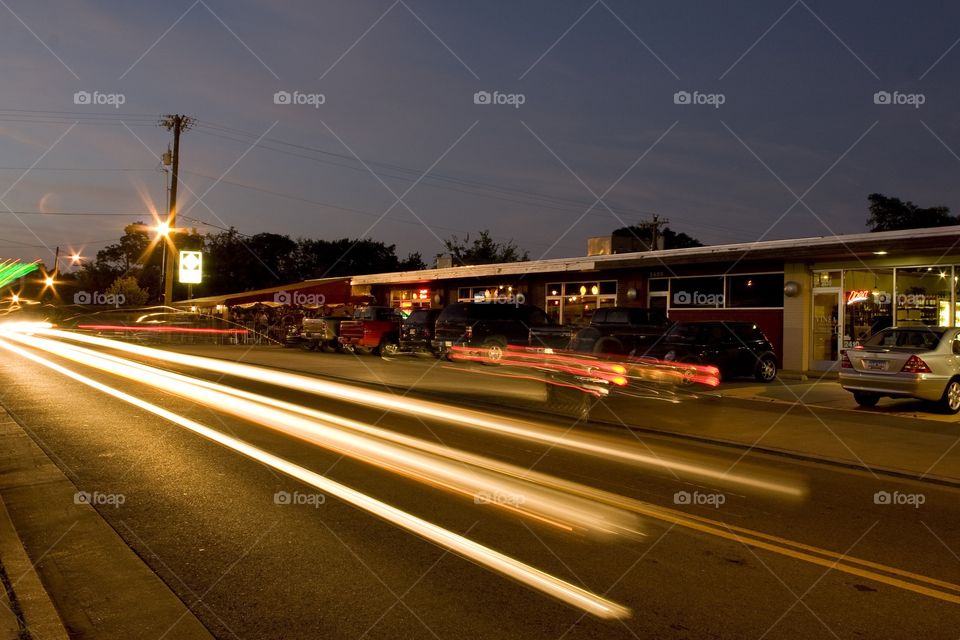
372	330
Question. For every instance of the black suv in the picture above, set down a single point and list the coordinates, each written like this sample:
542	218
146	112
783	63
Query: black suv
735	348
489	325
416	334
621	331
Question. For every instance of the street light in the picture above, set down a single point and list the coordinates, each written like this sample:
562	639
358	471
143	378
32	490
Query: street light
163	232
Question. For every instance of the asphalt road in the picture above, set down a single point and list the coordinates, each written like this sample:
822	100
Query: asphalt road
205	519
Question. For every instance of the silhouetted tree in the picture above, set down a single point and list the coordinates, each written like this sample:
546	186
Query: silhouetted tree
891	214
483	250
671	239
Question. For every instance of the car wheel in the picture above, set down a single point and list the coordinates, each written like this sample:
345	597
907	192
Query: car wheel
766	370
388	347
950	402
688	375
329	347
494	348
608	346
865	399
363	351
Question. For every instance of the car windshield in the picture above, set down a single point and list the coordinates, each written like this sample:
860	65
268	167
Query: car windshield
918	338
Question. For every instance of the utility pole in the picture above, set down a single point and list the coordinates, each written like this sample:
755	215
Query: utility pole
176	123
654	227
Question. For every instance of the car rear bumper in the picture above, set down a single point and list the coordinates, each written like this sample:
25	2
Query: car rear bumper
926	386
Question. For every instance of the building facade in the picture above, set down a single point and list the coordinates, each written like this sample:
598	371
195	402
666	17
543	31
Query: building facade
813	297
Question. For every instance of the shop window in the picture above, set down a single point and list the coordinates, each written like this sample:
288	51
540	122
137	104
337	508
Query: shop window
923	296
762	290
696	293
659	284
868	304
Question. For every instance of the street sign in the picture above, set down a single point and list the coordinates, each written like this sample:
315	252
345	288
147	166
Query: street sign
191	267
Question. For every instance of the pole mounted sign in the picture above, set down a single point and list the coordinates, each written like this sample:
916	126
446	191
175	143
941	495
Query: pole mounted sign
191	267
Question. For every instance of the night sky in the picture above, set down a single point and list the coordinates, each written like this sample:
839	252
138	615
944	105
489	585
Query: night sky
787	141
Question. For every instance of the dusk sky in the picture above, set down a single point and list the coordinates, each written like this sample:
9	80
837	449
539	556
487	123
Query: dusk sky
599	141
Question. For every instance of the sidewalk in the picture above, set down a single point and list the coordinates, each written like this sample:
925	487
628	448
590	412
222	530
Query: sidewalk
900	437
65	563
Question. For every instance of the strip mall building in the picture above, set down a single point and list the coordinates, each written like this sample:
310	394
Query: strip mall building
811	296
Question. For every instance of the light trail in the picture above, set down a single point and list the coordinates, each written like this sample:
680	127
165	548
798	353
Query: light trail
699	468
460	545
522	496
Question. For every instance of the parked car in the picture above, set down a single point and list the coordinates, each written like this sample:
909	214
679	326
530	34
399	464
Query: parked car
316	333
491	326
735	348
416	333
907	362
372	330
621	331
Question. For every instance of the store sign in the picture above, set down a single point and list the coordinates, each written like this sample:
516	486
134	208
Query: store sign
858	295
191	267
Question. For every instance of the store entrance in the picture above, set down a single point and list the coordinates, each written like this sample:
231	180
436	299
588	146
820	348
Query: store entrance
824	327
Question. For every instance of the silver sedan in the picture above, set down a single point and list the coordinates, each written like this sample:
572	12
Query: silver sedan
905	362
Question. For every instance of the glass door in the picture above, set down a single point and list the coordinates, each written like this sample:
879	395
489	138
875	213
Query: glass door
824	327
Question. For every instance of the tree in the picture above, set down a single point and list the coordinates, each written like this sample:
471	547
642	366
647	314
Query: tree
483	250
891	214
131	292
671	239
346	257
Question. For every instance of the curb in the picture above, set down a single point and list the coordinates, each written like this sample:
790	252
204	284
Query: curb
98	586
732	444
28	599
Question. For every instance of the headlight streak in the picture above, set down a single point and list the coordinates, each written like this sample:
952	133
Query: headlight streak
548	505
610	448
892	576
474	551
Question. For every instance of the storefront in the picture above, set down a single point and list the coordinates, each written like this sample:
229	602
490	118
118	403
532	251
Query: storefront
812	297
851	304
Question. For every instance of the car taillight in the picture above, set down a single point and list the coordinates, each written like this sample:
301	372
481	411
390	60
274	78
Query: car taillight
915	365
845	361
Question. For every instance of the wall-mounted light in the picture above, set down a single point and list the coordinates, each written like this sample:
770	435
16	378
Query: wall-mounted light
791	289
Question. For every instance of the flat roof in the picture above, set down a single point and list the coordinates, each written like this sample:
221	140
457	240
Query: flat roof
822	247
221	299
